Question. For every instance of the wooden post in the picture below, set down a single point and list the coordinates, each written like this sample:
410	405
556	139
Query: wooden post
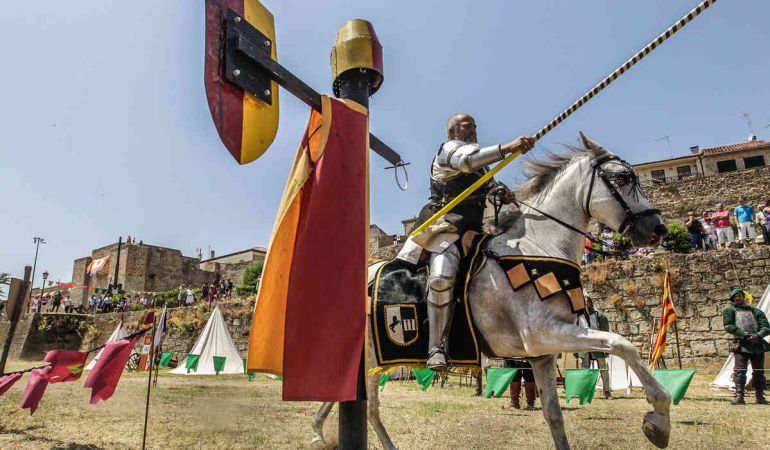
149	384
16	298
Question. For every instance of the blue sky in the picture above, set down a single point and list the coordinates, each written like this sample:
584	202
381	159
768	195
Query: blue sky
105	130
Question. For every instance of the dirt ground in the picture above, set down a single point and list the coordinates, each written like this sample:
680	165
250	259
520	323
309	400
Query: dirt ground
228	412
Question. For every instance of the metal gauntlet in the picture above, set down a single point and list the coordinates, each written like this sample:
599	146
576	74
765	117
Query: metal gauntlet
475	160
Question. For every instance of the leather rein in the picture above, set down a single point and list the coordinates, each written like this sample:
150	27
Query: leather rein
629	221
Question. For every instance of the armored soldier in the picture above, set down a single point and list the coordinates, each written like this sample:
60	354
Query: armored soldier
749	326
458	163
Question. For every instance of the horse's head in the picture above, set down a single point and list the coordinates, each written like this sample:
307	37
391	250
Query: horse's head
615	197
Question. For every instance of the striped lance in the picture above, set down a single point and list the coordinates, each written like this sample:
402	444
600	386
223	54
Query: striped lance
574	107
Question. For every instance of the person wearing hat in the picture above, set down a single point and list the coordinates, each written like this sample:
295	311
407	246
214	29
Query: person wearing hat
749	326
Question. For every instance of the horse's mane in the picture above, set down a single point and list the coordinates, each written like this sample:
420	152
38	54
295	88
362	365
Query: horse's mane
541	173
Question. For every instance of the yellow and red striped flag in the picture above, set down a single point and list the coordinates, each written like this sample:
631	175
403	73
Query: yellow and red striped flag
667	317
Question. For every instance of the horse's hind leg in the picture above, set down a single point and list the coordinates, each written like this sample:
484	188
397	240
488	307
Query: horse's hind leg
544	368
373	413
318	422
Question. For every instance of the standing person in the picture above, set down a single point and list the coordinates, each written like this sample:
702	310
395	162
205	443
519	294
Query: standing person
190	297
763	219
56	301
36	304
530	388
229	288
212	293
695	230
744	215
143	300
100	304
204	292
749	326
595	320
721	218
710	240
181	295
92	304
68	304
607	236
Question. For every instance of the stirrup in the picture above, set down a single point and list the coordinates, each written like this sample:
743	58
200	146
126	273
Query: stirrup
437	360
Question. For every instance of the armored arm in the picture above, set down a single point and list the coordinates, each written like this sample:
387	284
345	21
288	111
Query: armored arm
468	157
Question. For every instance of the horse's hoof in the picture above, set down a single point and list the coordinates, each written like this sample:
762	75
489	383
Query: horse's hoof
657	428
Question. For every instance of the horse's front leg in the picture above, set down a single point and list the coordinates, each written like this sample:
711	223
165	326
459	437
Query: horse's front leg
318	422
574	339
544	368
373	412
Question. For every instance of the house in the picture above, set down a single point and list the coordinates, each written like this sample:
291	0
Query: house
707	162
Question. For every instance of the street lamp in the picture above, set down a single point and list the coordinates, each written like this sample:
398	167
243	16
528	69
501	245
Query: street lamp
42	288
37	241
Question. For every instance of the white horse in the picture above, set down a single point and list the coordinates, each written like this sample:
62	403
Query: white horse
586	183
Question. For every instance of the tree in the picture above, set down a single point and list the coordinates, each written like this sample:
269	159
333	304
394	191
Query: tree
4	279
251	276
678	239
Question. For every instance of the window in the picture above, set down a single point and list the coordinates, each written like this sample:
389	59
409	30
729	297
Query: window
659	175
726	166
753	161
683	172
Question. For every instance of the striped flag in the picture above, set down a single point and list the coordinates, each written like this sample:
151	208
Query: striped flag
667	317
96	266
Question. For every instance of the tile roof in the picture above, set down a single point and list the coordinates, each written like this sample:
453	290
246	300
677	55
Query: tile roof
736	147
664	160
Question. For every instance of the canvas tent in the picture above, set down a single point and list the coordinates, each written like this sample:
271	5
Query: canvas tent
117	334
214	341
621	377
724	378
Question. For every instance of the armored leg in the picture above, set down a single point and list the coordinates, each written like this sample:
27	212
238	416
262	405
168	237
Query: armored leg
441	282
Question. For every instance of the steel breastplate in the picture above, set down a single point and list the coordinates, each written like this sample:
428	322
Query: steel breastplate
745	320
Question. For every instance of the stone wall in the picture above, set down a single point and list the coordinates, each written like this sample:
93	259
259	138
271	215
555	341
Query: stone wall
675	199
630	294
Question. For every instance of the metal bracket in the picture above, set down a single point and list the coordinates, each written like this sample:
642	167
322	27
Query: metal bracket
240	69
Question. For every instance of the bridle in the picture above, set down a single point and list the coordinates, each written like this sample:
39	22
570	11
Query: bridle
611	179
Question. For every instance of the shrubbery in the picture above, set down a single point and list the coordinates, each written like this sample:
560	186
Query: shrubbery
678	239
250	280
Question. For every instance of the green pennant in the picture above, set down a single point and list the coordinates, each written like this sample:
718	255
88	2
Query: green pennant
424	377
165	358
384	379
675	382
249	375
498	380
219	363
191	362
580	383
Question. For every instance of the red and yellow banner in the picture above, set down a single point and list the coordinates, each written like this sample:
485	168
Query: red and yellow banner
667	317
310	317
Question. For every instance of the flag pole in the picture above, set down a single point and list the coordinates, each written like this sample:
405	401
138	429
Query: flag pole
149	385
678	353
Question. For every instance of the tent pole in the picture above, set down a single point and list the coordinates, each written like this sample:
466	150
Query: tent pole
149	385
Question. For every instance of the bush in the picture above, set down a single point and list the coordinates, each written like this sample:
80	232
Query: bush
678	239
244	290
168	298
621	244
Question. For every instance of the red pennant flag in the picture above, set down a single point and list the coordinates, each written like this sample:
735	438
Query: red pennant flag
66	365
105	375
310	317
7	381
33	393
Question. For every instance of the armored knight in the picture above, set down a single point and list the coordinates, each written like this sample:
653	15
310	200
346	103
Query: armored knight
749	326
458	163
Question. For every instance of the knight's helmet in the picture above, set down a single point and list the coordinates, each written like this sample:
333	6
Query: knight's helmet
357	48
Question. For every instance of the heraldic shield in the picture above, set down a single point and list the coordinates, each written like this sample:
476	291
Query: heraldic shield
402	323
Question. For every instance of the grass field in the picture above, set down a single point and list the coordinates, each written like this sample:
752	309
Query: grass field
227	412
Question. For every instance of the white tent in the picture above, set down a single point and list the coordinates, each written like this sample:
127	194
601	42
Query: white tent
118	334
724	378
214	341
621	377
